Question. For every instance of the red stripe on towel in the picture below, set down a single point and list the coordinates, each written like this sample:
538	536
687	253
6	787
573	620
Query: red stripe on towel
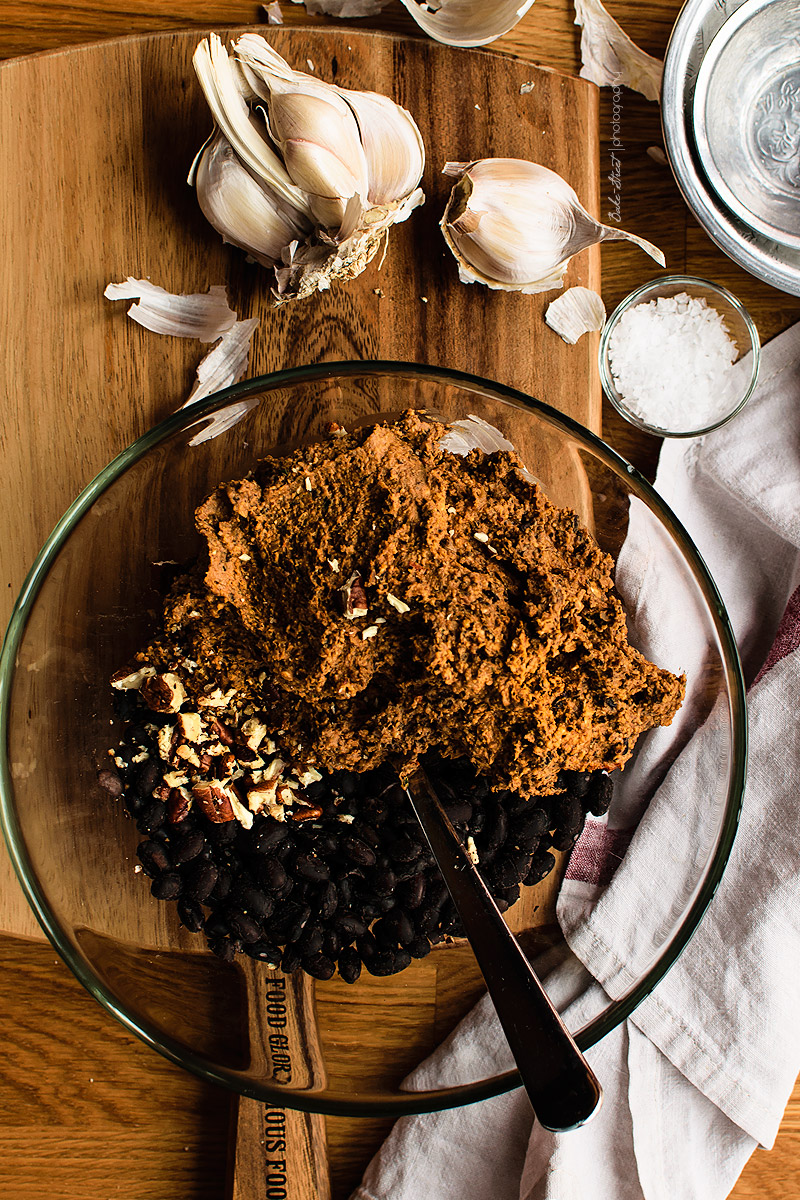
787	639
597	853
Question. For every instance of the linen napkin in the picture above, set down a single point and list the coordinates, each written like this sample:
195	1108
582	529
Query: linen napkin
701	1072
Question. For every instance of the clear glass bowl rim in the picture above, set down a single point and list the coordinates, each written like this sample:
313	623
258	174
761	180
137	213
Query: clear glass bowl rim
635	297
408	1103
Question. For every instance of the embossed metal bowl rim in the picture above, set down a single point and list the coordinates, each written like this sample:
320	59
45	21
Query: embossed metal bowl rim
719	46
35	889
641	295
767	260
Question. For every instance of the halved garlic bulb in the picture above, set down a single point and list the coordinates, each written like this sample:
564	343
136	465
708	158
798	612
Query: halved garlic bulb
514	225
304	176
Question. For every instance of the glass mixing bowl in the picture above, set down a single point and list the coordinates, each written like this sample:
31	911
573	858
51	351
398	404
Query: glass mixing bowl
93	597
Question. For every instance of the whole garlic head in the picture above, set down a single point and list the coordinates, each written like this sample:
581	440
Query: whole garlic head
304	176
514	225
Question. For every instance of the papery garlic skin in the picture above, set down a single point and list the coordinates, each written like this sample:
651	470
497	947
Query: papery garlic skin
609	57
576	311
514	225
454	22
337	168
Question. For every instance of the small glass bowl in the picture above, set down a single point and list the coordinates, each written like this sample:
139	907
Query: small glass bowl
739	325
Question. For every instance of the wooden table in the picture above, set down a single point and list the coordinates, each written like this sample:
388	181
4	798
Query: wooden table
78	1094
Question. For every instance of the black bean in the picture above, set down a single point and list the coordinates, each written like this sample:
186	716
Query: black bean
329	901
152	816
388	963
383	881
223	833
264	951
188	845
308	866
145	778
191	915
419	947
200	881
253	901
310	940
349	925
242	925
270	836
272	875
153	857
215	924
331	943
599	794
528	826
319	966
401	924
358	852
349	964
223	948
367	834
564	839
290	961
404	849
576	782
459	811
410	893
541	866
567	813
168	886
111	782
222	887
367	946
345	782
291	919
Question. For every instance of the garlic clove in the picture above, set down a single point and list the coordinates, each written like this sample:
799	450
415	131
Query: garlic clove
610	57
240	208
514	225
575	312
393	146
226	92
313	127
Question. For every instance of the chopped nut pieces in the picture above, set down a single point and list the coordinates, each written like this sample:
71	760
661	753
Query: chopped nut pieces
354	598
163	693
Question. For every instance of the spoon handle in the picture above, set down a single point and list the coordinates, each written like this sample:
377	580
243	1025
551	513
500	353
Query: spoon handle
562	1087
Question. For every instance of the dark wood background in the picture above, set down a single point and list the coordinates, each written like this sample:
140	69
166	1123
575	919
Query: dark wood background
80	1097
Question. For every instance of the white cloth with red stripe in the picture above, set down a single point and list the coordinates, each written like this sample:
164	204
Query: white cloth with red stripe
701	1072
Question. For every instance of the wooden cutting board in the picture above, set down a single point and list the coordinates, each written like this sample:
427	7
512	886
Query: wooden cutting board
95	146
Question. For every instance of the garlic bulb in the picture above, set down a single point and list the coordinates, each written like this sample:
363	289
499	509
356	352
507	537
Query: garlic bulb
514	225
304	176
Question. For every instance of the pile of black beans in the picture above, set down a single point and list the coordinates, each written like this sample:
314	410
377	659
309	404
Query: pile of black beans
356	887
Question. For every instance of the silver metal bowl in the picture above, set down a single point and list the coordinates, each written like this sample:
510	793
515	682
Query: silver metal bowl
698	24
747	116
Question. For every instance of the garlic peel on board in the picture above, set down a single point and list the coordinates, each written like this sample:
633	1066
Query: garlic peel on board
575	312
514	225
334	169
610	57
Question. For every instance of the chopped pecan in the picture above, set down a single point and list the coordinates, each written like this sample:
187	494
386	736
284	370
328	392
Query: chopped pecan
215	801
126	680
308	812
163	693
354	598
179	802
190	726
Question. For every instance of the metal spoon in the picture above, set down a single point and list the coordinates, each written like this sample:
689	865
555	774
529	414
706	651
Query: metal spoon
562	1087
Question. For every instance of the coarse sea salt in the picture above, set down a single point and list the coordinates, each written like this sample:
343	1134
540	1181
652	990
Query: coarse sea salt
671	361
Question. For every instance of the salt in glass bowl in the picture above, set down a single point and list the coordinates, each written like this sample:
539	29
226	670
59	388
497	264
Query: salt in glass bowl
92	598
740	327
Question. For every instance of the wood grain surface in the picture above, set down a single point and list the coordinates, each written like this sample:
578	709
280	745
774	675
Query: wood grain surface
86	1110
